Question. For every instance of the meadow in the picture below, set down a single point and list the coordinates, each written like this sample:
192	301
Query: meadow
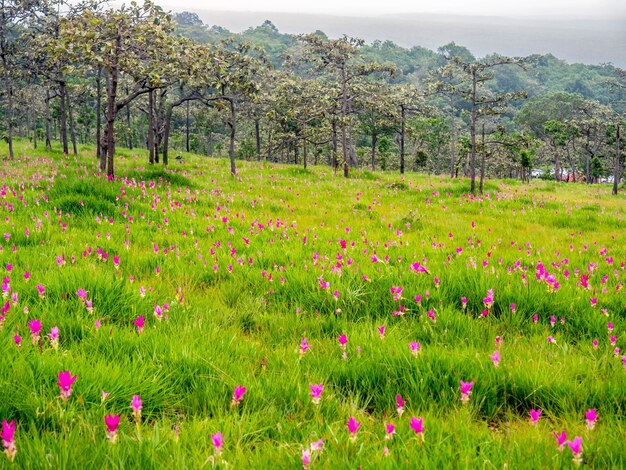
291	318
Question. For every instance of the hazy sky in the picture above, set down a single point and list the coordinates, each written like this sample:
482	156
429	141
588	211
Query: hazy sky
610	8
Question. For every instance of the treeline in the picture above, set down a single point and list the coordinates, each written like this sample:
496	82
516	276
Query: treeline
137	77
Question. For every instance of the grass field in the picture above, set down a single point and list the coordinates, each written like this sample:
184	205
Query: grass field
231	275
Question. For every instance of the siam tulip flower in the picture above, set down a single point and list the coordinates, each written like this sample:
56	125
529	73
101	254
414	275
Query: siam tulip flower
103	396
464	302
112	422
316	393
343	340
18	340
390	430
534	416
417	425
613	340
488	299
399	404
513	308
498	341
431	315
595	343
41	290
353	426
591	416
336	295
218	442
139	323
54	337
610	327
82	294
495	357
415	348
616	352
386	451
116	262
576	447
26	276
158	312
466	391
97	324
89	306
552	320
317	446
66	379
238	395
535	318
436	281
593	301
136	405
306	458
396	291
8	439
551	340
304	347
560	439
381	331
35	329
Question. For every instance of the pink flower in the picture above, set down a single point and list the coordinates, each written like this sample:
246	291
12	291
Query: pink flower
316	393
54	337
390	430
415	348
112	422
66	379
576	447
8	439
41	290
464	302
35	329
431	315
136	406
304	346
417	425
466	390
218	442
488	299
595	343
399	404
560	439
139	323
18	340
306	458
495	357
317	446
381	331
591	416
353	426
513	308
238	395
551	340
534	416
343	340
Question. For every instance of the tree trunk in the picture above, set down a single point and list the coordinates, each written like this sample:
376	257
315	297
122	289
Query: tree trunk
166	134
374	142
344	112
257	136
128	125
473	136
71	116
233	129
402	131
617	170
187	127
452	146
151	127
8	86
112	109
482	161
334	159
63	116
98	113
48	121
304	153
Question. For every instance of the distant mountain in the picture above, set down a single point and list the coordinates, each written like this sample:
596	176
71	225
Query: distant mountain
589	41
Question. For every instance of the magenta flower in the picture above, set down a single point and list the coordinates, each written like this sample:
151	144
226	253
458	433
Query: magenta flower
417	425
466	391
560	439
576	447
317	446
343	340
381	331
595	343
464	302
54	337
488	299
551	340
534	416
399	404
316	393
139	323
8	439
66	379
41	290
495	357
591	416
304	346
35	329
306	458
112	422
82	294
390	430
218	442
513	308
238	395
353	426
136	406
415	348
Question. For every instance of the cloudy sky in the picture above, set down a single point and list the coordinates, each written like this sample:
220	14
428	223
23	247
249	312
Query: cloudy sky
576	8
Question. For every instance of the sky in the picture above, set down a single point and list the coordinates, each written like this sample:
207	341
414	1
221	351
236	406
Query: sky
575	8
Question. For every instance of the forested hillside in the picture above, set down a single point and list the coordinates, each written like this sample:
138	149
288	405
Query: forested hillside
140	77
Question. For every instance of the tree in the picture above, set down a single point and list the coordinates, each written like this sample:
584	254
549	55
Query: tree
471	76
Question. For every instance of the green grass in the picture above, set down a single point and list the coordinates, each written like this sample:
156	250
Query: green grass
247	254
